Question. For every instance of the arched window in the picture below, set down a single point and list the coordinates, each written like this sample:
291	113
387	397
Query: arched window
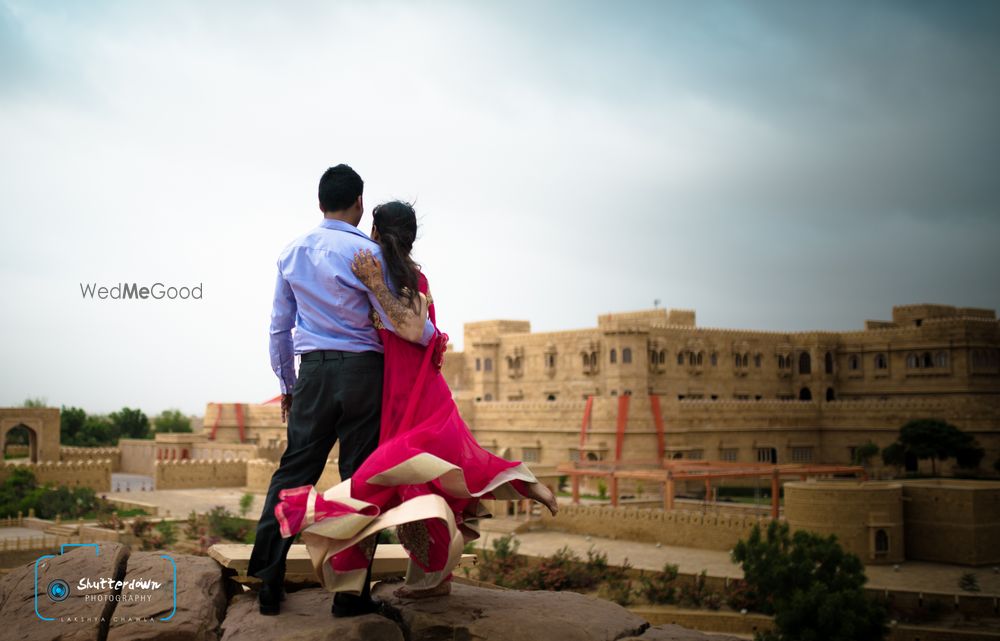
853	362
489	397
941	359
737	360
912	361
805	363
881	362
551	397
680	358
586	360
830	394
828	363
881	542
757	359
701	358
781	361
614	355
488	365
652	357
805	394
593	359
746	360
691	358
479	364
627	355
714	359
927	360
663	356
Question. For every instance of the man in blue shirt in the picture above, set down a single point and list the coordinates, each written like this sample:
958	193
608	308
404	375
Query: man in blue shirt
321	312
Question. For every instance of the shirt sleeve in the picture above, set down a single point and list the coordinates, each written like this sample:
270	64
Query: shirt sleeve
282	321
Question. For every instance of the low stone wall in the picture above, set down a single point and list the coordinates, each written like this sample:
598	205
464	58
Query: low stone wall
676	527
92	453
95	474
125	504
259	472
188	473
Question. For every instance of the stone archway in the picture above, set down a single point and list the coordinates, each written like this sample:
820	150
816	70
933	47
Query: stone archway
42	425
20	435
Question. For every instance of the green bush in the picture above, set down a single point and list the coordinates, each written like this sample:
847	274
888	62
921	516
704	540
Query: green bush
815	589
659	587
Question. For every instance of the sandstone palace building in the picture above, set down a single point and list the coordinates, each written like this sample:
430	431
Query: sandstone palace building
725	394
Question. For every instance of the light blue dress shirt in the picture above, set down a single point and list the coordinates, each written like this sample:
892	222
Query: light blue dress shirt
319	297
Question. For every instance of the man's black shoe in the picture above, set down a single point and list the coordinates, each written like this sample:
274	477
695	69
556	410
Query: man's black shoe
270	597
349	605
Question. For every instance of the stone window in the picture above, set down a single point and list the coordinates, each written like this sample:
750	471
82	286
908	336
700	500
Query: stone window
941	359
805	394
680	358
613	357
713	359
627	356
479	364
881	362
802	455
531	454
730	454
913	361
488	397
488	365
805	363
574	454
696	455
927	361
663	356
881	543
828	363
853	362
767	455
550	397
781	361
757	359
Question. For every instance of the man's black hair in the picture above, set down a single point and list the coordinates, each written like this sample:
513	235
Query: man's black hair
339	188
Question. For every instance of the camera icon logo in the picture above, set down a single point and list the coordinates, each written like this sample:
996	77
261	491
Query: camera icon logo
58	590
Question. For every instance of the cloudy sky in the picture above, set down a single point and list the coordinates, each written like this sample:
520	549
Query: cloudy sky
772	165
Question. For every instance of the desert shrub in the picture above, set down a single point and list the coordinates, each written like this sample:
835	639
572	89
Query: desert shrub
659	587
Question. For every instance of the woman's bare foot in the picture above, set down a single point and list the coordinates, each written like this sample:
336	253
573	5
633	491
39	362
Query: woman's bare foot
442	589
543	495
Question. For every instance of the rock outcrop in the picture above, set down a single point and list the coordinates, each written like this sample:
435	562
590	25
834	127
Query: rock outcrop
137	603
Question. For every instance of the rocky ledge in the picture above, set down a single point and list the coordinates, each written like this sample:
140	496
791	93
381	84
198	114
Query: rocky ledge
136	602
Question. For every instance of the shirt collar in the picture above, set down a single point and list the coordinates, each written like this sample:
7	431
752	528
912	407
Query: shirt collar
339	225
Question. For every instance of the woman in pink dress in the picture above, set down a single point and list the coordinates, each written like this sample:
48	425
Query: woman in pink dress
428	476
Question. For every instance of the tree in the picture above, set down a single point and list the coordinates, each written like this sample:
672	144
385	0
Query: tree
938	441
71	420
35	402
815	589
863	454
172	421
96	431
131	423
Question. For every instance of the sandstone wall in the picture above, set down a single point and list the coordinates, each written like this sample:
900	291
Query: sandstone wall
188	473
676	527
92	453
952	521
89	473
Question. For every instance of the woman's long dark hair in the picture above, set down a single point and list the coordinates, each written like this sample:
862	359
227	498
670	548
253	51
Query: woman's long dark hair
396	222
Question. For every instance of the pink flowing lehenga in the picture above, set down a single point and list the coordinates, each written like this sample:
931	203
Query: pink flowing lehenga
426	479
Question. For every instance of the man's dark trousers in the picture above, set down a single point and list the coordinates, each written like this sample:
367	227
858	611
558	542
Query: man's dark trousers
338	395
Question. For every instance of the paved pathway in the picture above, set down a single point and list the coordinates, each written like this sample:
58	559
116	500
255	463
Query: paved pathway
179	503
912	575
